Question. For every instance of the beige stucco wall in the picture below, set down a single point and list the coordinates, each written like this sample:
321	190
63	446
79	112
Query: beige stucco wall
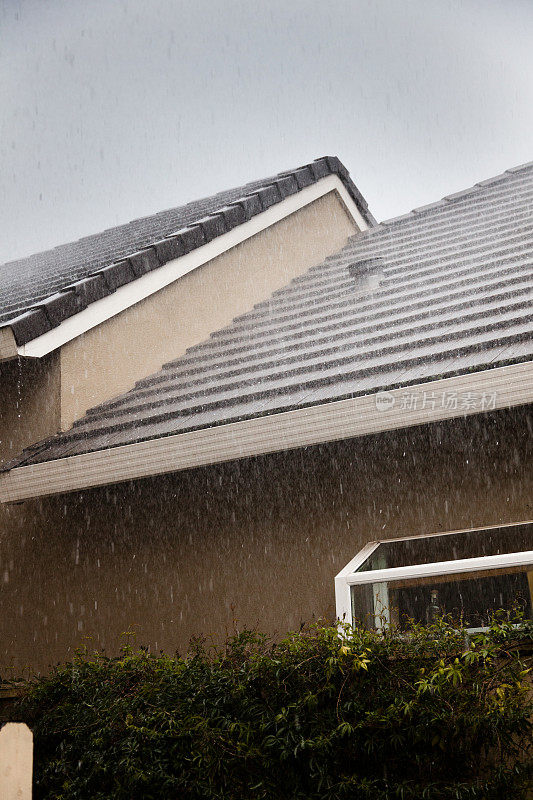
107	360
259	540
29	403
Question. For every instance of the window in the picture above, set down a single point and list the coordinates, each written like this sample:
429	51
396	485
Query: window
465	575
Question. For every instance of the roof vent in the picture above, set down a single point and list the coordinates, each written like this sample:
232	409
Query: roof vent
367	274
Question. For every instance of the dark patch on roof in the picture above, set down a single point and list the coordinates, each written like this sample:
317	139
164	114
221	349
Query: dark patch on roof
455	297
37	293
366	266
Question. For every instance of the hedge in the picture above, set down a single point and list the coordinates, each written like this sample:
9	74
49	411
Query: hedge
436	714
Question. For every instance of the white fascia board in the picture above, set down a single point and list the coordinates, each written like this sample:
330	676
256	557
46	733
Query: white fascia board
437	568
511	386
152	282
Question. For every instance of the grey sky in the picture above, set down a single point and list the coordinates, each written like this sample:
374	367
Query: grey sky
113	109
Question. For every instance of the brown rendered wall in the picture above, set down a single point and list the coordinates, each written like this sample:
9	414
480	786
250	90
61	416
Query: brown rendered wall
107	360
258	540
29	403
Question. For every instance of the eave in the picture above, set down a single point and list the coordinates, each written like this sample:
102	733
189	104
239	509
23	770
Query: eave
509	386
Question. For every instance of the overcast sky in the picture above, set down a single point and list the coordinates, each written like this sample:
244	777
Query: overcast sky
114	109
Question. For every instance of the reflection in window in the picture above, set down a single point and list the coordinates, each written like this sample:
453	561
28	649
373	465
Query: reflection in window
465	575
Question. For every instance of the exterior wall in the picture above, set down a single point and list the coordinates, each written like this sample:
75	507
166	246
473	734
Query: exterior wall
29	403
107	360
258	541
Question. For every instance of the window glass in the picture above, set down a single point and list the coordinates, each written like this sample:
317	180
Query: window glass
465	598
450	546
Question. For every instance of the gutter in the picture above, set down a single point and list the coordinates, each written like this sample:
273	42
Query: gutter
502	387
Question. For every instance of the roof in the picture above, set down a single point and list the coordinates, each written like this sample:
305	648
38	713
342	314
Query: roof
39	292
454	297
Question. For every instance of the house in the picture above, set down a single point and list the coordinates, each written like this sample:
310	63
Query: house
264	407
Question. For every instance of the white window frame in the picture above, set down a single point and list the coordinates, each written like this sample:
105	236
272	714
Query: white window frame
349	577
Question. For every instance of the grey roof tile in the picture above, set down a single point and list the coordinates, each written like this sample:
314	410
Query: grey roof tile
269	195
30	324
60	306
251	205
304	177
90	289
144	261
168	248
233	215
455	297
191	238
289	184
212	226
118	274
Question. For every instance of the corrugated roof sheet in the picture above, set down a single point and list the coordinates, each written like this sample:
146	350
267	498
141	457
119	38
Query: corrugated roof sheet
455	291
39	292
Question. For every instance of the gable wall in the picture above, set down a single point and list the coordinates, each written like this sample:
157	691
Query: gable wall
259	540
107	360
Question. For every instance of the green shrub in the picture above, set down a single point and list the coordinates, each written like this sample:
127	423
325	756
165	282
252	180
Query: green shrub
432	715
